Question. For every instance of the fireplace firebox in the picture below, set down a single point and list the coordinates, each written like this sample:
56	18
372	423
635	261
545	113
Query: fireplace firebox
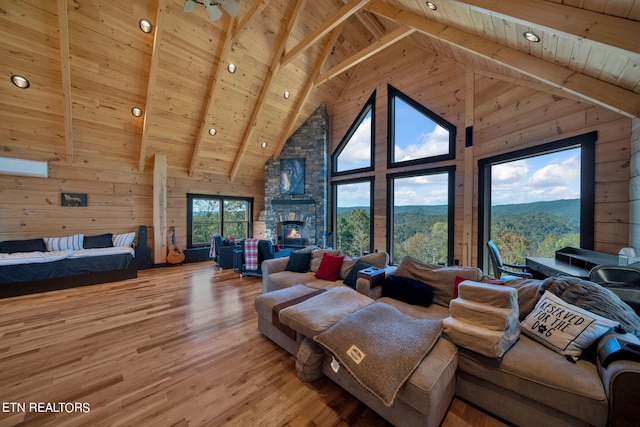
292	234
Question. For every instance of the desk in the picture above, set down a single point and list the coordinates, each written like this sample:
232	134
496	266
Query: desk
570	261
551	267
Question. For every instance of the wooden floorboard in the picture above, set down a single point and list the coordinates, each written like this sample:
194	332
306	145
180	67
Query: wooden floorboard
178	346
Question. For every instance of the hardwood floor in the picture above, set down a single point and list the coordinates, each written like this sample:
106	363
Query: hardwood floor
177	346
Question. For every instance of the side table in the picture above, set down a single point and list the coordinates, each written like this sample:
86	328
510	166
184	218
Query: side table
374	275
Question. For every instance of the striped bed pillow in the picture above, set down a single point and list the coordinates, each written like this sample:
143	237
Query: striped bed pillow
73	243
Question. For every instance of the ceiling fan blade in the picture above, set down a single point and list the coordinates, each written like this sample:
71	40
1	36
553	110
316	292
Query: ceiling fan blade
231	6
190	6
213	11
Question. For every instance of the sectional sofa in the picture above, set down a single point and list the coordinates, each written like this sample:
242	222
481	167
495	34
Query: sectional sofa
531	384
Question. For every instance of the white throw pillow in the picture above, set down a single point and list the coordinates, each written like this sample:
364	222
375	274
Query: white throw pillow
563	327
123	240
73	243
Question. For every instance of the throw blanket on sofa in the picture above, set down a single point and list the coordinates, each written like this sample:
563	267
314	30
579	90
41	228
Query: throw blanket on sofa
594	298
251	253
380	347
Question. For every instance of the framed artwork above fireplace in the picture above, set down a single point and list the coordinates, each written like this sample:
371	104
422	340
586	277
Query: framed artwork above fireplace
291	177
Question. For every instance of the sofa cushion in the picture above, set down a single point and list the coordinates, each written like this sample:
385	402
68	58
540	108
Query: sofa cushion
99	241
28	245
352	277
441	279
317	314
298	262
408	290
537	373
329	267
563	327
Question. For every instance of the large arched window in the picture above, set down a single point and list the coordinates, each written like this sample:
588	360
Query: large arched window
416	135
355	151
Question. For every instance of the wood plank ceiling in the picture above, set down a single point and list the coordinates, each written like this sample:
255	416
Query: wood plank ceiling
89	64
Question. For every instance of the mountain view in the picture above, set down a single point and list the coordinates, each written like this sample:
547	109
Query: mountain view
519	230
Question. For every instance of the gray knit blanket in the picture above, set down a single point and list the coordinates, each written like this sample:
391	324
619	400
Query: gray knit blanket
594	298
380	347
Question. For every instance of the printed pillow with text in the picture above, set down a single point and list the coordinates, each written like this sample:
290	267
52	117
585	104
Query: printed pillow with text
563	327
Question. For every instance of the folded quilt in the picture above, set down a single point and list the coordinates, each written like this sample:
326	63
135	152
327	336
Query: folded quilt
493	318
480	339
380	347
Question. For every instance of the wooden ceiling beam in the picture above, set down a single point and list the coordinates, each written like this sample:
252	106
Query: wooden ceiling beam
243	24
65	71
608	30
151	83
273	70
203	133
306	92
367	52
591	89
338	18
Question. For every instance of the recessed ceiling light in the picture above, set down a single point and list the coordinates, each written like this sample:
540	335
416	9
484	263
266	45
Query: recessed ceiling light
531	36
145	25
432	5
136	111
212	131
286	94
20	81
231	68
264	144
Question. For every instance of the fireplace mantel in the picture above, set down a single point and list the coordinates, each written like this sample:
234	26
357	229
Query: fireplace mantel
293	202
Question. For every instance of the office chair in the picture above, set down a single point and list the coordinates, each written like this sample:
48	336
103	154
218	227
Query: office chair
499	267
621	280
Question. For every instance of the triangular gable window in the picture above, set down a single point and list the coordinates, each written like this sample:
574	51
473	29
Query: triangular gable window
355	151
416	134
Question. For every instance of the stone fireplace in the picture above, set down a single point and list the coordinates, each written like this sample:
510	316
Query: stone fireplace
298	219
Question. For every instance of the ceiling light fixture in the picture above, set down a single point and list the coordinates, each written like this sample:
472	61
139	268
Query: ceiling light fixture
231	68
212	131
145	25
20	81
232	7
264	144
286	94
432	5
136	111
531	36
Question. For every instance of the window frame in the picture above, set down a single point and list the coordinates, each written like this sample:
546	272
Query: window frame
587	144
450	171
334	203
369	106
392	93
221	199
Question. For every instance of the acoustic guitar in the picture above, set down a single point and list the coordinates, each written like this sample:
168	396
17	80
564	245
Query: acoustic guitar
175	254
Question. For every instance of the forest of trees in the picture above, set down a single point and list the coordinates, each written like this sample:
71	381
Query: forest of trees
519	230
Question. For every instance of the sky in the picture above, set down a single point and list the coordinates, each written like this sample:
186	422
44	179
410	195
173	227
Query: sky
548	177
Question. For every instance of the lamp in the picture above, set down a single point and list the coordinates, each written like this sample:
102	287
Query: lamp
232	7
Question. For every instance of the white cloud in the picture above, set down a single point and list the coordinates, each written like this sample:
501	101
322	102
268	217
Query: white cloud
429	144
357	152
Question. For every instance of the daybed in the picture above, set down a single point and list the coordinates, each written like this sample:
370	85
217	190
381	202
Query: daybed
526	383
46	264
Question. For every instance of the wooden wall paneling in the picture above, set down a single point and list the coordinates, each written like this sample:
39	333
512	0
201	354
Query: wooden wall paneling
634	187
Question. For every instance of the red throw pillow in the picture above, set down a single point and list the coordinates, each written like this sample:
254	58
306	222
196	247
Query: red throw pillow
329	268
